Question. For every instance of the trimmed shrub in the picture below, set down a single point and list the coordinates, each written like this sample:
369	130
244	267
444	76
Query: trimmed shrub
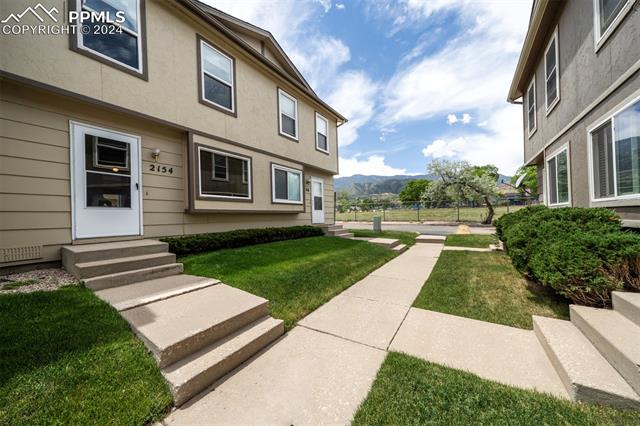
581	253
191	244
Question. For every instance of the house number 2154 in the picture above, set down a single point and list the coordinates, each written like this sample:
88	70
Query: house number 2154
161	169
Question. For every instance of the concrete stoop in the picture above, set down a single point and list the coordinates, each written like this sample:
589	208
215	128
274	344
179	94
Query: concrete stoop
597	353
198	329
338	231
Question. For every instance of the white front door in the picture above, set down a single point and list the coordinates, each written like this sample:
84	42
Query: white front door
105	182
317	200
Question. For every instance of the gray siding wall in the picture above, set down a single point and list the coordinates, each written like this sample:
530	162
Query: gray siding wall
584	73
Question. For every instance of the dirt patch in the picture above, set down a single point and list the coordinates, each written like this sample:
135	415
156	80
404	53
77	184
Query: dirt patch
36	280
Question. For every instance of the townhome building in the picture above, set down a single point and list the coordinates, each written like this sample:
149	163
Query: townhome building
578	80
177	120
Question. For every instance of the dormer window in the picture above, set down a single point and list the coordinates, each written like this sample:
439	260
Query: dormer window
116	43
216	78
288	115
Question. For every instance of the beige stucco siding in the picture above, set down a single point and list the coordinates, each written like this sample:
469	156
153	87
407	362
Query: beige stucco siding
171	92
35	181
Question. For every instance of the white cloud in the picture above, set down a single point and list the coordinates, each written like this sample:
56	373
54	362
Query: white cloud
451	118
464	119
354	96
501	144
373	165
319	60
340	6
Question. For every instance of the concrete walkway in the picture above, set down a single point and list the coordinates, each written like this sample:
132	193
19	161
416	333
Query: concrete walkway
320	371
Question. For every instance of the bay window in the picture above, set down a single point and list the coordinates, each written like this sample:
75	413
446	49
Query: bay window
615	155
223	175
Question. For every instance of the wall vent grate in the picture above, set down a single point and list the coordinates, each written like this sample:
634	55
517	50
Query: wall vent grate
15	254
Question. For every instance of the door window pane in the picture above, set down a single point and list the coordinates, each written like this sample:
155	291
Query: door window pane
627	150
108	190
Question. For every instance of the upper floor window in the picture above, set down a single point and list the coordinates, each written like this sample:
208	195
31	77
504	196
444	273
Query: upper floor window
287	185
551	73
288	114
217	78
615	155
531	106
223	175
119	43
558	178
607	16
322	130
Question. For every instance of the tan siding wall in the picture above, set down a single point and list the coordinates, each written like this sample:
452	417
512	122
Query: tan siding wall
35	202
171	92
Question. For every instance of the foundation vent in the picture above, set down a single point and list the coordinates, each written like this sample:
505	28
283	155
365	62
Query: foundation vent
15	254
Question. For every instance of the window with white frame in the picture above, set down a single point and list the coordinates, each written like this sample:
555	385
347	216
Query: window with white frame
531	106
288	114
287	185
224	175
608	13
217	77
558	178
322	130
118	42
615	155
551	73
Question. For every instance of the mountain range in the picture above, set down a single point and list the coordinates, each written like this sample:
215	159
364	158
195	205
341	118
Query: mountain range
364	185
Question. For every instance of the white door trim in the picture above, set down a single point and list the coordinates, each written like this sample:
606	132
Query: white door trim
73	169
321	182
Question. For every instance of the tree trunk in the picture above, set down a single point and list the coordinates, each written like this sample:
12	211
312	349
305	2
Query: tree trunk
490	212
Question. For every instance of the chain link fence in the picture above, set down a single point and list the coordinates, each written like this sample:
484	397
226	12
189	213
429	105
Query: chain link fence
418	211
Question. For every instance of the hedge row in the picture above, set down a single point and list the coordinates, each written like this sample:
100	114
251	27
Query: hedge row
582	253
199	243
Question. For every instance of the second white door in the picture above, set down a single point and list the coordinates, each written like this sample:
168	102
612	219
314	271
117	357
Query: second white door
317	200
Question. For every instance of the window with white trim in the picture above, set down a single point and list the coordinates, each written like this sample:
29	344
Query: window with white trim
224	175
615	155
558	178
118	42
287	185
288	114
531	106
552	73
322	130
608	13
217	77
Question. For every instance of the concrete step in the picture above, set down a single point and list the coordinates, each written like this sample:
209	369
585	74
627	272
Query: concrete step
615	336
196	372
334	227
123	278
72	255
336	232
177	327
628	304
585	373
113	266
145	292
347	235
385	242
430	239
400	248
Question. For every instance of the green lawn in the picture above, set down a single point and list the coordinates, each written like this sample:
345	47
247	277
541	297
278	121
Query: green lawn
467	214
486	286
296	276
66	357
409	391
470	240
16	284
408	238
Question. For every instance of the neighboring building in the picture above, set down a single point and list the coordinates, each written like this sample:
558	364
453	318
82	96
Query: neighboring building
185	121
578	76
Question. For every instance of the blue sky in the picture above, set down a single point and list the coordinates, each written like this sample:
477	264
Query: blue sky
418	79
